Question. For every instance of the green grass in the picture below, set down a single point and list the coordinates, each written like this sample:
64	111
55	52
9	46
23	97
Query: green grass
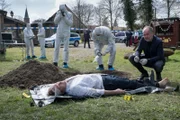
162	106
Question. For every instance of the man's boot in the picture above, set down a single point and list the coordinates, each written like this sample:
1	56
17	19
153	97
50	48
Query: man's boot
152	76
158	76
143	75
65	65
55	64
111	68
34	57
101	67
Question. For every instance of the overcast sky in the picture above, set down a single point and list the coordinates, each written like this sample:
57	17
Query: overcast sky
40	8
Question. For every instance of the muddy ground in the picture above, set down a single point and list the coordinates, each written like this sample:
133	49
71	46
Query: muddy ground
37	73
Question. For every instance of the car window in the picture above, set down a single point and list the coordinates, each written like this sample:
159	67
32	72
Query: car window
73	35
120	34
6	36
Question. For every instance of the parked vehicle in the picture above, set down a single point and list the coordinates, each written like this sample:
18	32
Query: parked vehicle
120	37
7	38
9	41
73	40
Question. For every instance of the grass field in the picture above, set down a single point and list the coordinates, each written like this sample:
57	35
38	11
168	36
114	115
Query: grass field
161	106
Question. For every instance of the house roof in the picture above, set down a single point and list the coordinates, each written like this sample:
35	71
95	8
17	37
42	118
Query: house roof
165	19
9	20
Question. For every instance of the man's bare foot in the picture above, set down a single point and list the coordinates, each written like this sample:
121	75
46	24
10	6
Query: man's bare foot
163	83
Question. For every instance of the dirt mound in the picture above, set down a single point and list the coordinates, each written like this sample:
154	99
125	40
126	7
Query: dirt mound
32	73
37	73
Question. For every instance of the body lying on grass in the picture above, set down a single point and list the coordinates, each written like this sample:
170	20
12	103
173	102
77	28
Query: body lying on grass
96	85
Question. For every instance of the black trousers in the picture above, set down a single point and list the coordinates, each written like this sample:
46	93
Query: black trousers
86	40
157	66
112	82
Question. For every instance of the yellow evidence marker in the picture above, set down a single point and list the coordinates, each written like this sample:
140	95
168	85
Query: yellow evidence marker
25	95
128	97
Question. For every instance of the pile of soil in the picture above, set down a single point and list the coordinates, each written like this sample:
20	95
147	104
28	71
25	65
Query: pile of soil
37	73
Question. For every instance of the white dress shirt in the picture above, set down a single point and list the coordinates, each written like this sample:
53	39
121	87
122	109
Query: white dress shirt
86	85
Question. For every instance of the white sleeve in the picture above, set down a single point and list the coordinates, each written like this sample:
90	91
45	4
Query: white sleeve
111	43
41	33
96	44
31	34
68	19
27	34
57	17
80	91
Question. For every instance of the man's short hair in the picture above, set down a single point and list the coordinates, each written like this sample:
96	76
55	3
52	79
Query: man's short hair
50	92
149	28
53	90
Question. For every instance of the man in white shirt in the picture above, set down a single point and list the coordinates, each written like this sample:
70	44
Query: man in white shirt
97	85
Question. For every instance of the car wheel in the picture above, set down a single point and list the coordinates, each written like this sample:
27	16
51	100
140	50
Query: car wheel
76	44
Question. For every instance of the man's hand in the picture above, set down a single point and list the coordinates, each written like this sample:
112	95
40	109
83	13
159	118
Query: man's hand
143	61
99	53
32	37
103	54
136	59
114	92
120	91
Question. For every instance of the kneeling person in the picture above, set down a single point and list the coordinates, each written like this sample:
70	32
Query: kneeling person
153	56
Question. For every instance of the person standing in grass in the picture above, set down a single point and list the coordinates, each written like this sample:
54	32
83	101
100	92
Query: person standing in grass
64	19
86	38
28	38
102	36
41	39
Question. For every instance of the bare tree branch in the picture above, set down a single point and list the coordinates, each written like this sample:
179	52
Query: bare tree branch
4	4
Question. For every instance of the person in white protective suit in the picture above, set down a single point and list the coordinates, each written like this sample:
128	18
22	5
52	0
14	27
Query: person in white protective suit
41	39
28	38
64	19
102	36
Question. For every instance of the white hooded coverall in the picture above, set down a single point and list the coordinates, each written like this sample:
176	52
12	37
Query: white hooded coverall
28	38
41	39
63	33
105	38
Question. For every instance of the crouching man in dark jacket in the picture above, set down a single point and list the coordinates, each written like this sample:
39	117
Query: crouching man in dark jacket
153	56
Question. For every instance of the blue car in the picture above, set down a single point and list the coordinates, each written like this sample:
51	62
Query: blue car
73	40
